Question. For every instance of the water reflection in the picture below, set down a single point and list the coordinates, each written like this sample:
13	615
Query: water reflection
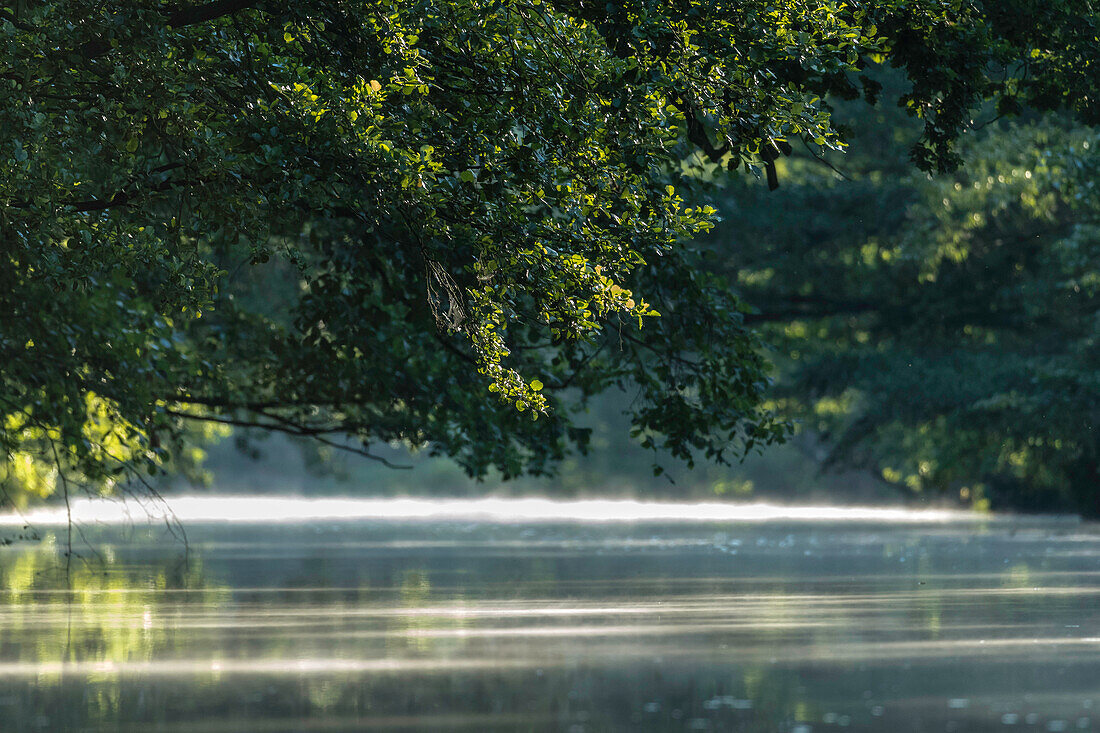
449	625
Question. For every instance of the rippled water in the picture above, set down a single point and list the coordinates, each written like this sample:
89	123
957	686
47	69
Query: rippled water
457	620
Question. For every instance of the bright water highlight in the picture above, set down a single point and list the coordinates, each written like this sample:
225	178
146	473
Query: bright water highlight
254	510
353	615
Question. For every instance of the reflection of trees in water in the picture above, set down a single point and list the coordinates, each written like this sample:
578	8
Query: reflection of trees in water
100	610
120	608
489	630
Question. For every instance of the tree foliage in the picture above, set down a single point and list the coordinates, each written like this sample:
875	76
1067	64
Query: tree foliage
360	217
941	330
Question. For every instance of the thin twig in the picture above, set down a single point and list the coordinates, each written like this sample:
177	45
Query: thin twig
68	510
821	159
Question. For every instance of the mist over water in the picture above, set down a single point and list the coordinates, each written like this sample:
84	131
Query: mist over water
311	615
258	510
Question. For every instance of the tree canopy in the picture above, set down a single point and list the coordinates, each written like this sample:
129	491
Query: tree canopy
443	223
949	341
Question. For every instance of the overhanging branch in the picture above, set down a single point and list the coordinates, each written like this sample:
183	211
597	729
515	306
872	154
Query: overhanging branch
194	14
300	431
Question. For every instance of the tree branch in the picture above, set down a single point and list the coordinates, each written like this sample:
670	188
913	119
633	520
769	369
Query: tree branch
194	14
179	18
290	429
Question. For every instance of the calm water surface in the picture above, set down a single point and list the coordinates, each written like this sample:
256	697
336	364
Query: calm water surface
448	622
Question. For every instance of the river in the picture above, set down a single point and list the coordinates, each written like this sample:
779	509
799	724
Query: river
293	615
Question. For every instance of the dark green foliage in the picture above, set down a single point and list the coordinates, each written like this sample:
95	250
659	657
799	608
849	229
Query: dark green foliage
944	330
358	217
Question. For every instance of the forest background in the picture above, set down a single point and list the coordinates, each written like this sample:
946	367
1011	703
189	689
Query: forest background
677	238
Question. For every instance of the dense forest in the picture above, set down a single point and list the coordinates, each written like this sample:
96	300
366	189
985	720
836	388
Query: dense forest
457	226
941	330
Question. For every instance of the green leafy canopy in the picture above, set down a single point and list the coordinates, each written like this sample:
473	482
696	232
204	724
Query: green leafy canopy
358	217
